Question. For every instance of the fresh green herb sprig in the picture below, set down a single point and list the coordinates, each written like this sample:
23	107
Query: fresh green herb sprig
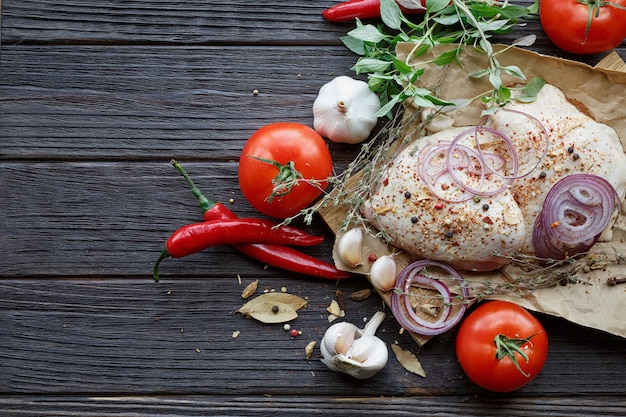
445	22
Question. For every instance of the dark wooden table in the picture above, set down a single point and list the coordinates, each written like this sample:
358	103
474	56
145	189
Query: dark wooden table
95	99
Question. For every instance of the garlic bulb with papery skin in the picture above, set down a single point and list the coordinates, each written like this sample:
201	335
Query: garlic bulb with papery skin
359	353
345	110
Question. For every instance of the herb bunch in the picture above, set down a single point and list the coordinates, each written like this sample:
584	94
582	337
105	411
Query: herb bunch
445	22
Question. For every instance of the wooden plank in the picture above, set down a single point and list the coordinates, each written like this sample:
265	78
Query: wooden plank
116	337
154	103
280	405
236	21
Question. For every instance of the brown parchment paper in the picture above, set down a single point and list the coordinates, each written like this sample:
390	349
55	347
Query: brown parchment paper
601	93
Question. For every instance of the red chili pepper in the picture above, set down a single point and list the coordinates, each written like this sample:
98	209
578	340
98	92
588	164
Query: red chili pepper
278	256
362	9
196	237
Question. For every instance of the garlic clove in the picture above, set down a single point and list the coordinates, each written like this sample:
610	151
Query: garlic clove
383	273
367	356
350	247
345	340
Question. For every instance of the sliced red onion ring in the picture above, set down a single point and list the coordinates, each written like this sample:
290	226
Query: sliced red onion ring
510	143
432	169
401	303
575	212
491	187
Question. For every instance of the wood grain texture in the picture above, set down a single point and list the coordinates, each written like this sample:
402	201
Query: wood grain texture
95	99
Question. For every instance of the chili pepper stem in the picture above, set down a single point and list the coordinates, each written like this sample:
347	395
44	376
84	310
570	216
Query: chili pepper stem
205	203
155	271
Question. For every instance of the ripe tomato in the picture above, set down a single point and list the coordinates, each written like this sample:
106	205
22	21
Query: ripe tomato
574	26
278	165
491	336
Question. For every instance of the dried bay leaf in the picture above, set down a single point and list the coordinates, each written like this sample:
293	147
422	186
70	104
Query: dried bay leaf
408	360
273	313
273	307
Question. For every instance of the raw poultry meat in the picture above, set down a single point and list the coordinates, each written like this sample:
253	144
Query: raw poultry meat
473	232
578	144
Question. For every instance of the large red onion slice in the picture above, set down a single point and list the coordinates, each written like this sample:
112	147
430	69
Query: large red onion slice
575	212
428	273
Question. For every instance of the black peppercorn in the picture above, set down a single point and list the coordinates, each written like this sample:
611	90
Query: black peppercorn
407	195
275	309
449	234
413	219
485	207
570	149
576	156
542	174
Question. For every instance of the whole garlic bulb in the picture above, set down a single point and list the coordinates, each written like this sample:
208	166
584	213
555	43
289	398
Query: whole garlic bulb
345	110
359	353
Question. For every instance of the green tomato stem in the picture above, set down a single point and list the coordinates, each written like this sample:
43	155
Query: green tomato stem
506	346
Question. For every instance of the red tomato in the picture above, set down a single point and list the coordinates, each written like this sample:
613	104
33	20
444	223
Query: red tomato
487	365
566	23
283	144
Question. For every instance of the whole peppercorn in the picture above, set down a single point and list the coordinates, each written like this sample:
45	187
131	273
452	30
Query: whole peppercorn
570	149
414	219
407	194
485	207
542	174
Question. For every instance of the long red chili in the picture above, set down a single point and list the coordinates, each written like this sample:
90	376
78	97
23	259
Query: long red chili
278	256
196	237
362	9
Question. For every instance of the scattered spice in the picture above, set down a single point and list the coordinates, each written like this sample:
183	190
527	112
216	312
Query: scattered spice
334	311
250	289
616	280
308	350
361	295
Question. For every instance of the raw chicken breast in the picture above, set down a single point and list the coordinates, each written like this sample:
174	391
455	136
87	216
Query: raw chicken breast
443	221
465	233
578	144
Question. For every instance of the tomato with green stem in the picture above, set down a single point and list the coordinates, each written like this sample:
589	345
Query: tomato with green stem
283	168
501	346
584	26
